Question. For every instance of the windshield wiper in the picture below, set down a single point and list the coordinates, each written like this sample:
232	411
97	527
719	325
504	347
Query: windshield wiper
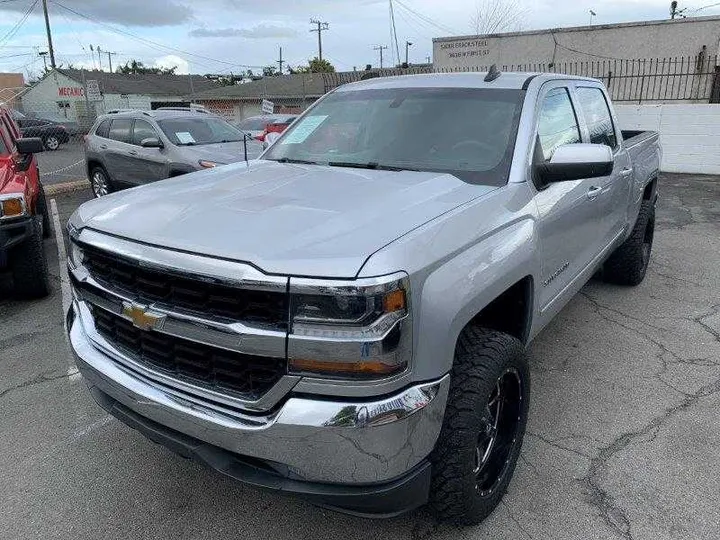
370	165
290	160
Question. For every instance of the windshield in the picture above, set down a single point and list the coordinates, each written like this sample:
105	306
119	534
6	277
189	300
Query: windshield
194	131
467	132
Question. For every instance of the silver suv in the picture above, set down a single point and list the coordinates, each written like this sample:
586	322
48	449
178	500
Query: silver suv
126	148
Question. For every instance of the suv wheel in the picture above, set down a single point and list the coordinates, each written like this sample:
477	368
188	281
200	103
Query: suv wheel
51	143
99	182
29	265
479	444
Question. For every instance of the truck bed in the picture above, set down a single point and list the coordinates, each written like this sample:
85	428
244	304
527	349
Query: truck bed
644	153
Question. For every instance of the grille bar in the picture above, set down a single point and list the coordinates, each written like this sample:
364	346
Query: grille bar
204	297
206	366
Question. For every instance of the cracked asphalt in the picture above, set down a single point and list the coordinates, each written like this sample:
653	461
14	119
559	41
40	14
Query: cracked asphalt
623	440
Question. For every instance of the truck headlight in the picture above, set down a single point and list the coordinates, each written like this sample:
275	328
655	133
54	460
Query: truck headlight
350	329
12	205
75	254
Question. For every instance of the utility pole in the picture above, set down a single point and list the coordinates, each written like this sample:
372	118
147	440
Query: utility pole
49	34
675	12
99	57
110	55
42	55
281	61
321	27
407	45
380	48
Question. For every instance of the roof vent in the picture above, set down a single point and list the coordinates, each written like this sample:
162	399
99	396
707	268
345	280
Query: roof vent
493	74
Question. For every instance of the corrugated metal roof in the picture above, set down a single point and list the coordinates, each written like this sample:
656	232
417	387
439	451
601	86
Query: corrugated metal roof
147	84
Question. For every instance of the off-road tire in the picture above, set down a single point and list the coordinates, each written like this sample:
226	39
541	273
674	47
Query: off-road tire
481	357
628	264
29	267
41	209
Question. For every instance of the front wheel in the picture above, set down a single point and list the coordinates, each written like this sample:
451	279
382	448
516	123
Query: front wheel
99	182
485	418
51	142
42	210
29	265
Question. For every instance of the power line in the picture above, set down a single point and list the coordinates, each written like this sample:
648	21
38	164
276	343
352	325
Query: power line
149	42
426	19
18	24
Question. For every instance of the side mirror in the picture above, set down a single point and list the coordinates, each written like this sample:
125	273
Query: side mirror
151	142
29	145
270	138
576	161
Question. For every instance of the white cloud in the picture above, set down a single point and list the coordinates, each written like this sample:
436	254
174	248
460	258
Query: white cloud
170	61
261	31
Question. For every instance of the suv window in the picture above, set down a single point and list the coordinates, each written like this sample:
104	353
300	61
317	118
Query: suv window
103	129
120	129
558	124
143	130
4	136
597	115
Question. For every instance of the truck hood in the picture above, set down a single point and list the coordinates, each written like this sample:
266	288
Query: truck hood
302	220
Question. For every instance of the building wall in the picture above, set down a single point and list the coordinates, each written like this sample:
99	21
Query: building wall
689	134
62	95
649	39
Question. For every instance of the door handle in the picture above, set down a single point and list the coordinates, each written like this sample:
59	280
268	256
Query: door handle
103	146
132	152
626	172
593	192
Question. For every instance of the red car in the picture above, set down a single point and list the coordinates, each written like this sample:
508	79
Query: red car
24	218
260	126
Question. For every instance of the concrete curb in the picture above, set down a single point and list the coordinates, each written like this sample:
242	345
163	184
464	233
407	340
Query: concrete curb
67	187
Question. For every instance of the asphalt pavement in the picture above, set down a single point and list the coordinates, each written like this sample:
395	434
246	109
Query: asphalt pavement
66	164
622	441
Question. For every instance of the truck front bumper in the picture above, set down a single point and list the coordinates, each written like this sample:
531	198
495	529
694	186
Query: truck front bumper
14	231
368	457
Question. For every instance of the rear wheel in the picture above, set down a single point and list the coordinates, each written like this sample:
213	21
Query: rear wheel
479	444
99	182
51	142
628	263
29	266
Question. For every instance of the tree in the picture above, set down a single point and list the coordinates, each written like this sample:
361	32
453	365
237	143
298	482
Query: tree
314	66
493	16
270	71
133	67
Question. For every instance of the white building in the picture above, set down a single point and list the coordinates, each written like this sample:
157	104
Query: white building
62	91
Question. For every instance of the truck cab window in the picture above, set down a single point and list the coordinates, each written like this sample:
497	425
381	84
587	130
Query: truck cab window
557	124
597	115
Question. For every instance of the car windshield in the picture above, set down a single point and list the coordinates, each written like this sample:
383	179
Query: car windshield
195	131
253	124
467	132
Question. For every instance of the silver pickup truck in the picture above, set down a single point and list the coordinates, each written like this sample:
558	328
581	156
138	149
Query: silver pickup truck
346	318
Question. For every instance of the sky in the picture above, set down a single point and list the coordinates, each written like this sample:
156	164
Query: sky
231	36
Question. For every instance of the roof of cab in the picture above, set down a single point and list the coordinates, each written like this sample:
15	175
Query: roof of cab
506	80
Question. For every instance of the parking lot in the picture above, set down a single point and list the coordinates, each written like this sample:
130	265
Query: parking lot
622	441
66	164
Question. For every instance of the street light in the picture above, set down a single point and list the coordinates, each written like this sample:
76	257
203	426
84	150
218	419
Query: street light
592	14
407	45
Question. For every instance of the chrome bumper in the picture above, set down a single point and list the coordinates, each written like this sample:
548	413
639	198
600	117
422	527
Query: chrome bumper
332	441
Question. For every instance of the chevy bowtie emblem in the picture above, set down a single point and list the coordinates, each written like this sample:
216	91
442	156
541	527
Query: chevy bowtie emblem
142	318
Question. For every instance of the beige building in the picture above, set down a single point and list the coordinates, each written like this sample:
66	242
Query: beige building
11	85
638	40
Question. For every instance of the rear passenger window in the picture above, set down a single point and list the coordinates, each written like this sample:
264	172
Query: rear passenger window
120	129
597	115
103	129
557	124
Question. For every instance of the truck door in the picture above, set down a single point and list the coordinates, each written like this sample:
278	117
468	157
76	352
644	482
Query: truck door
614	197
568	218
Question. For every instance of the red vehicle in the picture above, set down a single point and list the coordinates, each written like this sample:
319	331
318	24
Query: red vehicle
260	126
24	219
